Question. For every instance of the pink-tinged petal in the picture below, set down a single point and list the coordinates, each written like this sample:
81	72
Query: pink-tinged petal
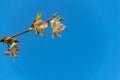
7	53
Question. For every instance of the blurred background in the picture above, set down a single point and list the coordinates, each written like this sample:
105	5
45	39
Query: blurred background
89	49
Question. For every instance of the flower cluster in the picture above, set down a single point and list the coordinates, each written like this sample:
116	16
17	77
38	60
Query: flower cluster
57	27
12	46
39	27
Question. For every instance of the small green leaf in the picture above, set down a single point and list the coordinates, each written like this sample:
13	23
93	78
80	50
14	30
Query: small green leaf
38	17
60	19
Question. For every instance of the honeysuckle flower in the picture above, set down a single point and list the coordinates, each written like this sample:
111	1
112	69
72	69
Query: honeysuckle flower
57	27
12	46
38	25
13	50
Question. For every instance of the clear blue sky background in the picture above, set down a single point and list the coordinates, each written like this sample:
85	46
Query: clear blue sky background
89	49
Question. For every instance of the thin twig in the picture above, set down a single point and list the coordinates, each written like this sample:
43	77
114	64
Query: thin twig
23	32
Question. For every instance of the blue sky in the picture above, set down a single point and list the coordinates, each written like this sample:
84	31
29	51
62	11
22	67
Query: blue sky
89	49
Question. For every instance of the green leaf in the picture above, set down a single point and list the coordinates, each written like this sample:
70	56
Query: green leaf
39	15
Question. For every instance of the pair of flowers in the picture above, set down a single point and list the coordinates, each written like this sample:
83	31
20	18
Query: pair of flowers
57	27
39	27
